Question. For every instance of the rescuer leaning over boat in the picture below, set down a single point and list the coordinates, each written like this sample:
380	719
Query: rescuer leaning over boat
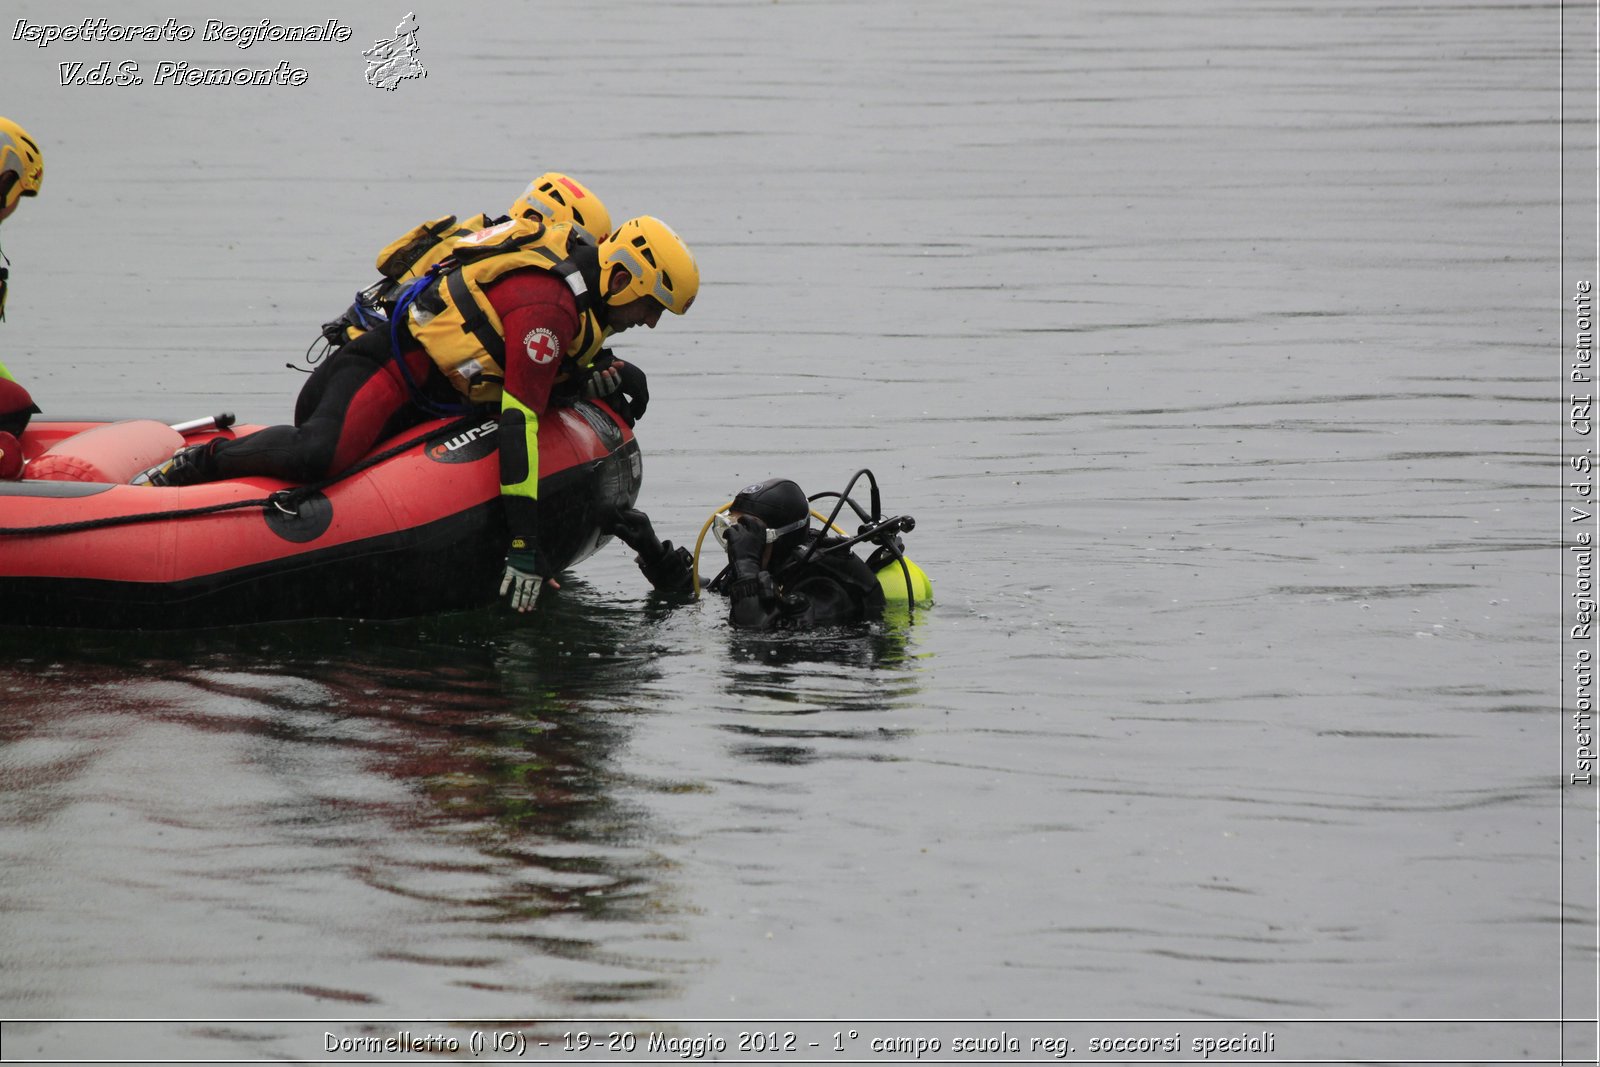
551	198
588	370
494	323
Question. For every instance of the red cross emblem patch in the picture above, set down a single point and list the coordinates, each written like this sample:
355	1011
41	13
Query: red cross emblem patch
542	345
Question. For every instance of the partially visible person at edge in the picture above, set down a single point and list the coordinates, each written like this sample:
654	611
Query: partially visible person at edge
525	298
21	174
773	580
550	199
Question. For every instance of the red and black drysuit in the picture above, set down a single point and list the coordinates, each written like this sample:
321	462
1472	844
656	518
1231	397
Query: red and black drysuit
360	396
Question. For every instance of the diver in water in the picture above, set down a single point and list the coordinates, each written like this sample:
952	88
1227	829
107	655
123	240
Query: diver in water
782	574
21	174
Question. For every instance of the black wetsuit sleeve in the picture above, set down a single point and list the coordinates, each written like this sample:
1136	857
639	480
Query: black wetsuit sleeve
816	600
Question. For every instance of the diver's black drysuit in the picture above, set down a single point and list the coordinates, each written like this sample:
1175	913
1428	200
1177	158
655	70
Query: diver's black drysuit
798	589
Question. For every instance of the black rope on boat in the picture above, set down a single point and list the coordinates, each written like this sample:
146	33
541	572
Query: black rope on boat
287	501
126	520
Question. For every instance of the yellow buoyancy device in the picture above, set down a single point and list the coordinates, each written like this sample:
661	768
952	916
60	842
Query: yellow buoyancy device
409	256
454	321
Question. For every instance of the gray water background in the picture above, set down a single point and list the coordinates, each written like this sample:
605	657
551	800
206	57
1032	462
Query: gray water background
1209	346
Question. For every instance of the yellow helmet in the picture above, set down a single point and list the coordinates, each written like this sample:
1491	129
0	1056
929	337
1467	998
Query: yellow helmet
660	264
558	198
19	156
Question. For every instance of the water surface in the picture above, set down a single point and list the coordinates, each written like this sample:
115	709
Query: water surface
1209	346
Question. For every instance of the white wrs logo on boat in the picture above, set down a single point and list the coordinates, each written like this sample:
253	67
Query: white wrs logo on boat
467	446
393	61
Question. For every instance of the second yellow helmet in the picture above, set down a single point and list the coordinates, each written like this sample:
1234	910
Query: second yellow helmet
558	198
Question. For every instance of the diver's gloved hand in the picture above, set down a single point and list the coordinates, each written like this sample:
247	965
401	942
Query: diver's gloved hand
526	576
636	387
632	527
747	539
749	587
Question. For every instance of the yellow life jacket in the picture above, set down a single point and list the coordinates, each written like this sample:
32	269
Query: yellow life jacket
454	322
408	257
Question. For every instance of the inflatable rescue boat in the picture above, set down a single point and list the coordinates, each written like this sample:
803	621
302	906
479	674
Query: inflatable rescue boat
414	528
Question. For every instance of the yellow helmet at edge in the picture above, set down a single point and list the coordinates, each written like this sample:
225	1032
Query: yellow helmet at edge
557	198
19	155
660	263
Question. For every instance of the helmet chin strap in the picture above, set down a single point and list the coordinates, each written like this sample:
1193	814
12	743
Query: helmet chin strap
588	260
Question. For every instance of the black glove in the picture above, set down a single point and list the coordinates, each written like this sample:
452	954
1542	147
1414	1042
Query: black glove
670	572
632	527
635	386
747	539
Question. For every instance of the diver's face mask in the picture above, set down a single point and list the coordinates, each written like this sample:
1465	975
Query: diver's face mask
723	521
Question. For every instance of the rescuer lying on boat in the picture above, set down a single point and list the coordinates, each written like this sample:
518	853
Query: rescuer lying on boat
548	200
493	323
782	574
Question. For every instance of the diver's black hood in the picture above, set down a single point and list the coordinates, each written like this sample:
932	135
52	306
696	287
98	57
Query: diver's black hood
778	502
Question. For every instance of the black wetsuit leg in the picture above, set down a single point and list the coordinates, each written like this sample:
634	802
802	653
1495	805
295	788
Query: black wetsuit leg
351	402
